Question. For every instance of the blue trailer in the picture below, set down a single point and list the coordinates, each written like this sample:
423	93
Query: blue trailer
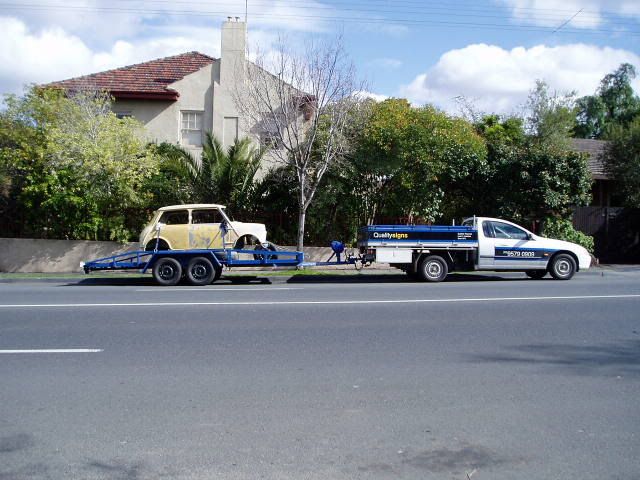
204	266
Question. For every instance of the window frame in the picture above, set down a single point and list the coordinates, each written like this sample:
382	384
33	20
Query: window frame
198	118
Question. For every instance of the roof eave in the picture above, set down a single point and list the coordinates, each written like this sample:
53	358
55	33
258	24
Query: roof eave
171	96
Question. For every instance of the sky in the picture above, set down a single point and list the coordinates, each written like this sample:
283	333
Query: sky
486	54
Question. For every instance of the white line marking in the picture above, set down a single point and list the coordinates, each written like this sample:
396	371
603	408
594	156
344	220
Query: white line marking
319	302
56	350
215	289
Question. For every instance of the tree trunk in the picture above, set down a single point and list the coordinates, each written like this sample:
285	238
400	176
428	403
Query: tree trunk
301	220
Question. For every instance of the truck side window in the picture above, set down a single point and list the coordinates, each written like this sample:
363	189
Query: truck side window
205	216
488	231
177	217
504	230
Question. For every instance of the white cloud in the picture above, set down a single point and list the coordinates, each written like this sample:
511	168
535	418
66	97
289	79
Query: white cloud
553	13
498	80
50	54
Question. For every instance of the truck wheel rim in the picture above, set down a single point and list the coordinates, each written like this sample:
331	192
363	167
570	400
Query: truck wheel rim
563	268
434	269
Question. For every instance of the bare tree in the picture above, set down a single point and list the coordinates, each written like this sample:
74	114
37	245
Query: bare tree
302	110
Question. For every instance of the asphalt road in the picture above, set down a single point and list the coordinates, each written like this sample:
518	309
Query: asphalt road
349	378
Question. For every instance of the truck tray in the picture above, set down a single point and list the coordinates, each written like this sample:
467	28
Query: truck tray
417	236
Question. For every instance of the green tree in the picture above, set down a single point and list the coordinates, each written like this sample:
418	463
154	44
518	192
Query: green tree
551	115
223	176
528	179
79	170
614	103
622	159
414	162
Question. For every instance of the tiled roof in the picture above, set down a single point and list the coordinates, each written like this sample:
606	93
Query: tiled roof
595	150
148	80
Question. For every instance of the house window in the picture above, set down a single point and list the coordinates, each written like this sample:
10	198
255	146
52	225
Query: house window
191	129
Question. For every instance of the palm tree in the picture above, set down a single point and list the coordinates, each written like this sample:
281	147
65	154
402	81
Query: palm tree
221	176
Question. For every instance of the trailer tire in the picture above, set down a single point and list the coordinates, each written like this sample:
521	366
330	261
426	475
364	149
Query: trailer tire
167	271
536	274
200	271
562	267
433	268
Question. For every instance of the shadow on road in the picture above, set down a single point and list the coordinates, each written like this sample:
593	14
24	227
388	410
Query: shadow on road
618	359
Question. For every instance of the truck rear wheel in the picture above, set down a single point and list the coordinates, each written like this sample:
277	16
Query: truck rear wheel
200	271
167	271
562	267
433	269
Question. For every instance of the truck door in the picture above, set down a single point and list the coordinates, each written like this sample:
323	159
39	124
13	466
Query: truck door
513	247
486	246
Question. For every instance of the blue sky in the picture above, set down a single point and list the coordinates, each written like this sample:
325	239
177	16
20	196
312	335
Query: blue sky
490	52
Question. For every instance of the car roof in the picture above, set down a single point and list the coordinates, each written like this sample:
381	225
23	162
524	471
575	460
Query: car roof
191	206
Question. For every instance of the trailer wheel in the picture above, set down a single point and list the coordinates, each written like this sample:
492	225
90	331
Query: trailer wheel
562	267
167	271
200	271
536	274
433	269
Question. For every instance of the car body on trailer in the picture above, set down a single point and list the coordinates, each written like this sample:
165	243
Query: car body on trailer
197	226
430	252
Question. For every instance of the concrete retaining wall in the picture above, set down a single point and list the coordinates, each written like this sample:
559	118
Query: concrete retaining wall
61	256
55	256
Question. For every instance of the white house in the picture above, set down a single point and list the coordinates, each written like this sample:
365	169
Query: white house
181	97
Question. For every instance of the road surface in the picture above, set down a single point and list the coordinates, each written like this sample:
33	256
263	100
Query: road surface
491	377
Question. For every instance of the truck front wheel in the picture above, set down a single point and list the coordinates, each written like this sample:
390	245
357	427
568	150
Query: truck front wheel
433	269
562	267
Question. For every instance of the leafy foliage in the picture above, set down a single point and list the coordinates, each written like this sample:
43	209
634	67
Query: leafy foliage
222	176
563	229
613	104
528	179
78	169
622	160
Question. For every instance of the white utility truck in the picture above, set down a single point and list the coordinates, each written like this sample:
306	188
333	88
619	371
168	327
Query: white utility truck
480	243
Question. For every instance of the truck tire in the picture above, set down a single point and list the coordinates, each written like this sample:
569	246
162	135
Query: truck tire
200	271
536	274
562	267
433	268
167	271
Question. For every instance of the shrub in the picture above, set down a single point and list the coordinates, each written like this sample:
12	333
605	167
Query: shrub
562	229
